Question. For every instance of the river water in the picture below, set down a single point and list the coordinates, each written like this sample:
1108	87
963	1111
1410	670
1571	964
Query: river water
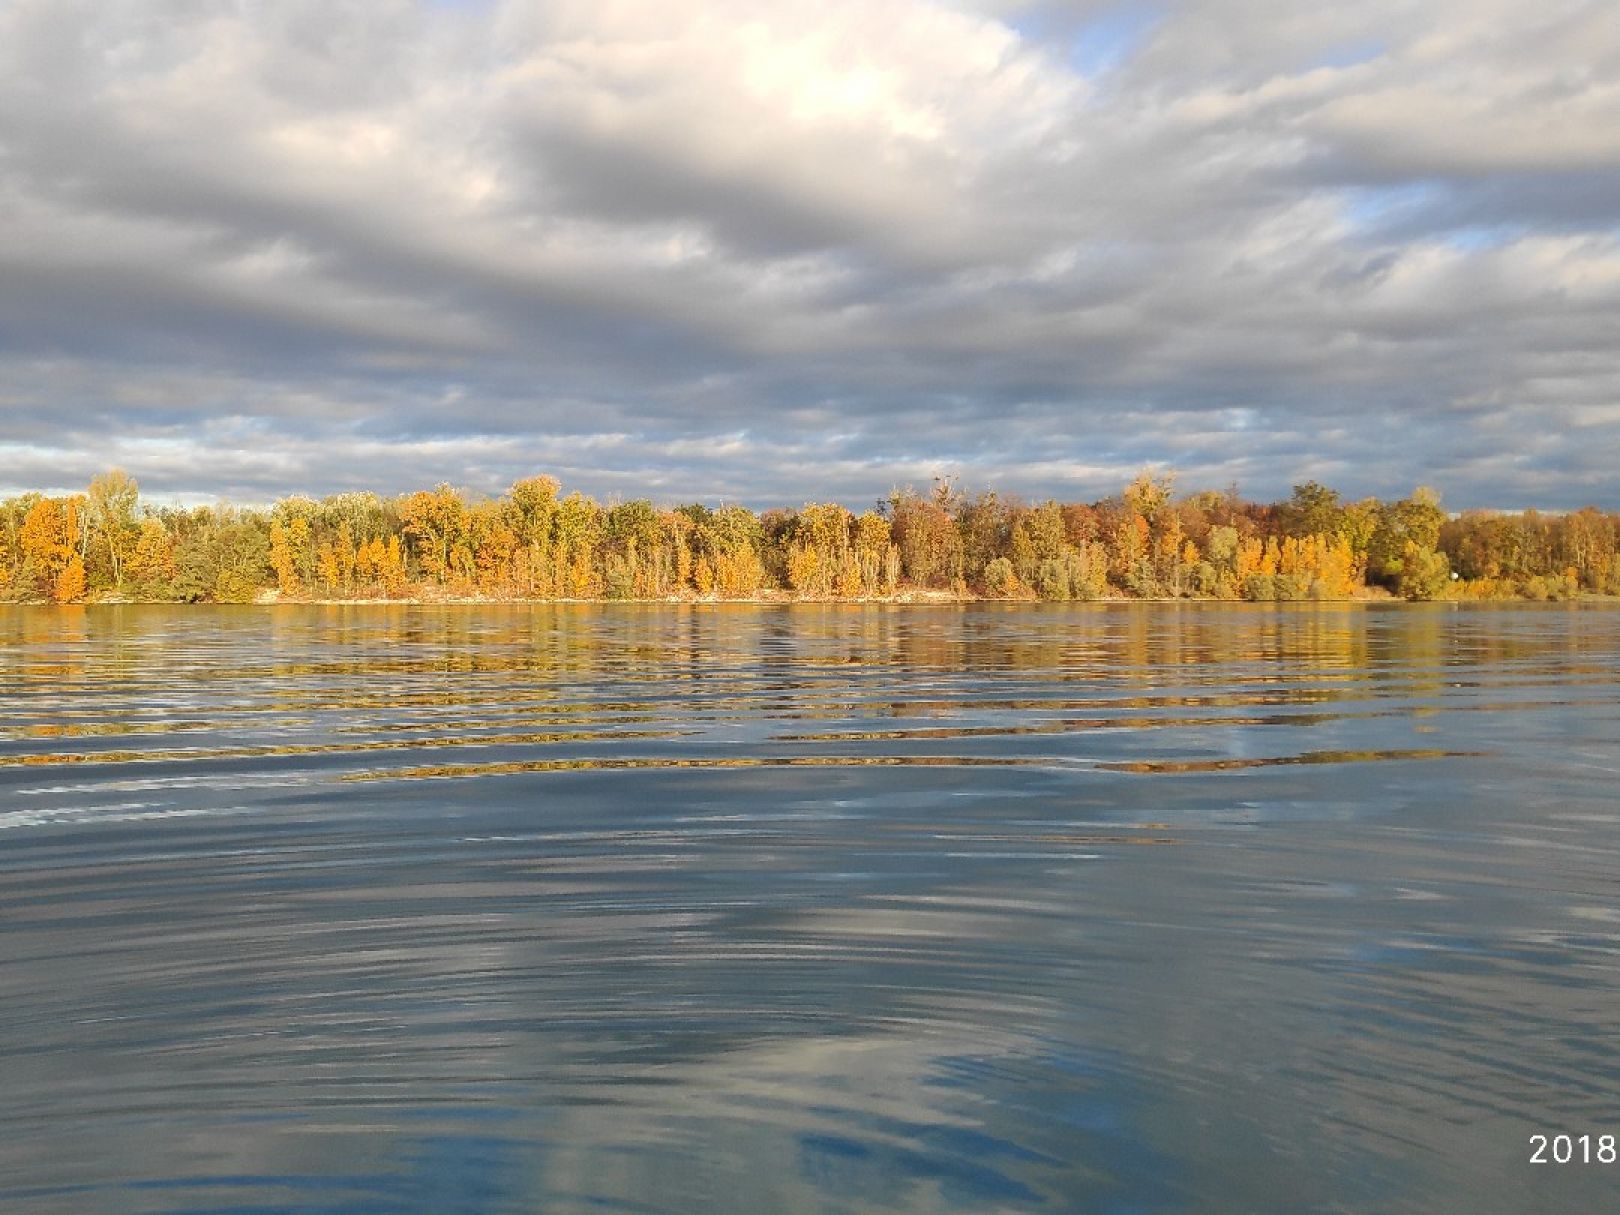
1124	908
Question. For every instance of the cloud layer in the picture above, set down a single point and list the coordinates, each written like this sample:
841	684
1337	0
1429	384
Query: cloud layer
768	252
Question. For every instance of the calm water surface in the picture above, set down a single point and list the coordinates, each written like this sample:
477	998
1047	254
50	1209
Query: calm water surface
659	909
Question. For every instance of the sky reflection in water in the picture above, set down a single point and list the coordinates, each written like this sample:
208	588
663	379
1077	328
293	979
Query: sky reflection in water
806	909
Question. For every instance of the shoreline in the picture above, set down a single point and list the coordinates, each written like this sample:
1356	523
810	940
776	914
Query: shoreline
788	599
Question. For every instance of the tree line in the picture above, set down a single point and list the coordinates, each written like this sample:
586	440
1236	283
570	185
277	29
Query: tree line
534	542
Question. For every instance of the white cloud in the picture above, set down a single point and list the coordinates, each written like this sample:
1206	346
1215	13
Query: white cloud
966	235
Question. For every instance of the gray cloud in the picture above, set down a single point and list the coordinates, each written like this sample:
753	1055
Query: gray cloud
705	250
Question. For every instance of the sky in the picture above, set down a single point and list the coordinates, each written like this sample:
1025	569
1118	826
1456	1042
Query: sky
770	253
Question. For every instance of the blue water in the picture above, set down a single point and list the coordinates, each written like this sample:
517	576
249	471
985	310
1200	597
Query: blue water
1124	908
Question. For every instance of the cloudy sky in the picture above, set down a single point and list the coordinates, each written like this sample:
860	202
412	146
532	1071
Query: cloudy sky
764	252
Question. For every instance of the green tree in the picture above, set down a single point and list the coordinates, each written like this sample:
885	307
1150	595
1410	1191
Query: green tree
111	502
1314	510
1424	573
1414	521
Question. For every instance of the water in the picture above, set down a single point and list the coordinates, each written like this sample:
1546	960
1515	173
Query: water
807	909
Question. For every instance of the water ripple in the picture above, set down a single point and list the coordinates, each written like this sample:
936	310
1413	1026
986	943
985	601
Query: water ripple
806	909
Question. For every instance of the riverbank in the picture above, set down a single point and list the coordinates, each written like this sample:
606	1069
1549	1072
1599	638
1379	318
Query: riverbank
914	597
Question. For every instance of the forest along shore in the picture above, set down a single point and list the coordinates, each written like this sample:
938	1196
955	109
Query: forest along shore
535	543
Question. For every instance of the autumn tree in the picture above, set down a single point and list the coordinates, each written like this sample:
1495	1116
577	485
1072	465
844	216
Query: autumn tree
1314	510
52	565
150	569
578	528
531	512
1424	573
1404	529
821	561
925	531
877	554
532	543
438	526
731	540
985	522
110	504
1045	560
634	559
222	554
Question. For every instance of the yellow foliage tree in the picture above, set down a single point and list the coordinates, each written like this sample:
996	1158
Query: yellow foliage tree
47	541
153	557
70	585
288	542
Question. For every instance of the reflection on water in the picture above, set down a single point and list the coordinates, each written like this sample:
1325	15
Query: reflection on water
744	909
